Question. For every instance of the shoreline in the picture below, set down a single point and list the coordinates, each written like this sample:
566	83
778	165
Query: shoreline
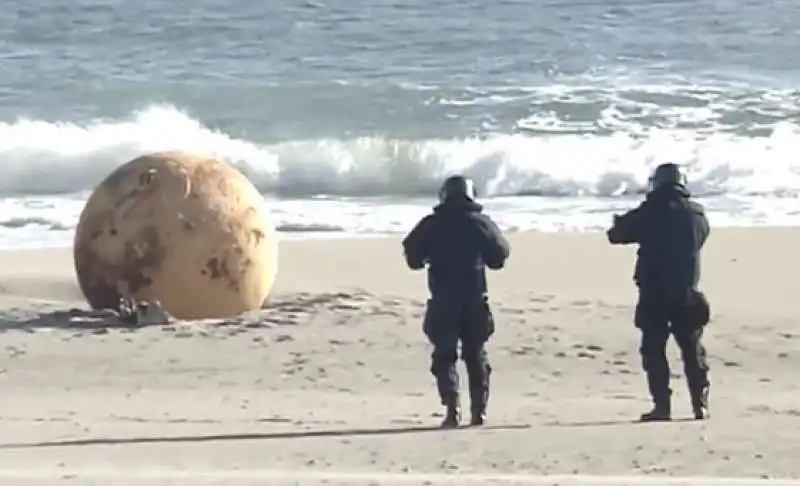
539	260
22	244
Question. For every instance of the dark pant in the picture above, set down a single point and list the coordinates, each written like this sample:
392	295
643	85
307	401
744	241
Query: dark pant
469	320
685	319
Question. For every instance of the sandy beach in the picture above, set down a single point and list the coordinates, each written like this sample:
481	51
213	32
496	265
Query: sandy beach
330	384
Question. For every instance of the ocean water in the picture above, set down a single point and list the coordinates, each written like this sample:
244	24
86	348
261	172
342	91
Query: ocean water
347	114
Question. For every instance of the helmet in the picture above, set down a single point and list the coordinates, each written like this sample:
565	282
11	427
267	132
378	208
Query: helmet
667	174
457	187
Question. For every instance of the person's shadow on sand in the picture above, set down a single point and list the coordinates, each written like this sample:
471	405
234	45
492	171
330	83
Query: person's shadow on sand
306	434
605	423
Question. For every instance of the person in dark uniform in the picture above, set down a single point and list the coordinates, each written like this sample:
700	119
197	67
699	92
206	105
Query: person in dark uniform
456	241
671	230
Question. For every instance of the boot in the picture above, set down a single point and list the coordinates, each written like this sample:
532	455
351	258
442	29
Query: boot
452	417
700	403
478	418
479	400
661	412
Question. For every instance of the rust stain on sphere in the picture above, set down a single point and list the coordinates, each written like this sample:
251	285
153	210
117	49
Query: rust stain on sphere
183	229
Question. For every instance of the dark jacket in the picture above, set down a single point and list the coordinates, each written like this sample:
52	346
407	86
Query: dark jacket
671	230
456	241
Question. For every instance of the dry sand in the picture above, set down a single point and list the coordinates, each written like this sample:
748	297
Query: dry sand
330	384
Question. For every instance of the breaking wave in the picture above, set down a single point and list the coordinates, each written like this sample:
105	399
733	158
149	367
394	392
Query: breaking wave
50	158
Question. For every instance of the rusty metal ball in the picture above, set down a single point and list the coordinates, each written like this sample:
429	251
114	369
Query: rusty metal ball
187	230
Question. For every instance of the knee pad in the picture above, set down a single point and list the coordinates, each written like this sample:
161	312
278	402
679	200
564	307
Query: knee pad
443	359
692	360
476	359
472	354
653	362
